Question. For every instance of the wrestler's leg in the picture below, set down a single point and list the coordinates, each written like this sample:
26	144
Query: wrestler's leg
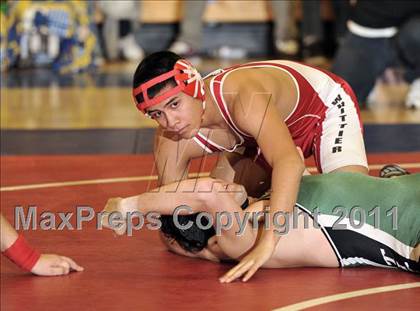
339	147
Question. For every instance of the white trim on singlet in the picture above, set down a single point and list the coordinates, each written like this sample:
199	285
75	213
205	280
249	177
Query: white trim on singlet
321	82
202	145
233	126
331	242
351	261
213	74
370	232
221	148
367	230
305	116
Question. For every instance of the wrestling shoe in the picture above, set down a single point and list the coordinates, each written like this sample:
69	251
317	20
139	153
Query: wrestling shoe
392	170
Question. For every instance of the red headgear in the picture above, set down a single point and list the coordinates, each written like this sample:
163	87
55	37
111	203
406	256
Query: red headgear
187	78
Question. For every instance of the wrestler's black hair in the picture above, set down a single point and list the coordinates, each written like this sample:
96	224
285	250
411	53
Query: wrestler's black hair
193	239
152	66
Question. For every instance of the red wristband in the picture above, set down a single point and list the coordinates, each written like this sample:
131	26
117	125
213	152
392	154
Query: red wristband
22	254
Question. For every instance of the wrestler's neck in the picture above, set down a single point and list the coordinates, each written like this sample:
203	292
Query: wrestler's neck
212	117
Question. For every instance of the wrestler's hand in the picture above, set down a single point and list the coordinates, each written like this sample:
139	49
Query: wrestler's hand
50	265
251	262
114	205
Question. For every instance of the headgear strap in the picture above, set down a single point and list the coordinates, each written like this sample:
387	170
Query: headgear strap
187	78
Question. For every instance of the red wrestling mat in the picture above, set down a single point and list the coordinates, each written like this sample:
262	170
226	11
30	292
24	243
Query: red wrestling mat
137	273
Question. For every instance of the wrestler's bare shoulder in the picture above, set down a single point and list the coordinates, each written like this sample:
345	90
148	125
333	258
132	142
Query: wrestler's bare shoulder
253	86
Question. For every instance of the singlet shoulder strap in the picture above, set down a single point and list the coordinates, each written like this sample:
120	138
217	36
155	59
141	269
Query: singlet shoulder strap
214	73
216	89
210	146
204	141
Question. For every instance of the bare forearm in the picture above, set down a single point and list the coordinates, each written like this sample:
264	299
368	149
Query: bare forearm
172	158
285	186
166	199
8	234
198	194
168	176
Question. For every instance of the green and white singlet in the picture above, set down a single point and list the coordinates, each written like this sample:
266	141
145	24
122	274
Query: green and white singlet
367	220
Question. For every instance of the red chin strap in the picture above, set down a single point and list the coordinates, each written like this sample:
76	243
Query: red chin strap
187	78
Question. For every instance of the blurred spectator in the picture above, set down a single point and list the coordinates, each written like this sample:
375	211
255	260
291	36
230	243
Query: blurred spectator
285	30
342	10
312	29
381	35
120	23
315	47
312	32
188	43
56	33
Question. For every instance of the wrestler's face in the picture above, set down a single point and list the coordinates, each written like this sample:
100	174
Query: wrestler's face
180	114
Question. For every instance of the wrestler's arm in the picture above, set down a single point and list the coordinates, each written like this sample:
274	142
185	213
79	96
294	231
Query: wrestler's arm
47	264
172	157
280	152
8	234
195	193
259	206
170	165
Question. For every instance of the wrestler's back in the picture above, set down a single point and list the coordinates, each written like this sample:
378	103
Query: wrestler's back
399	195
282	82
273	85
308	246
